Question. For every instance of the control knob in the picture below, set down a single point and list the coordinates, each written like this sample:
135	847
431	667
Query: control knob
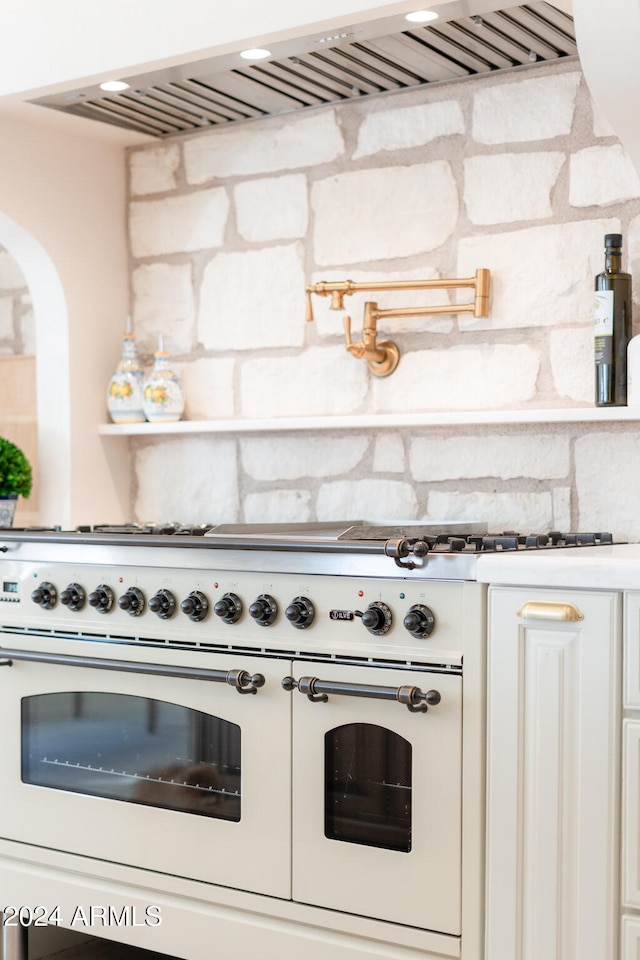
163	603
196	606
73	597
228	608
377	618
132	600
101	598
45	595
264	610
300	613
419	621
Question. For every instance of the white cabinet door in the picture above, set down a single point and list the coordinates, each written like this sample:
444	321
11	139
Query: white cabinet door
631	775
630	949
632	651
631	813
553	700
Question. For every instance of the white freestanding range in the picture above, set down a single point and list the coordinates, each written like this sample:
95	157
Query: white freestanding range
268	741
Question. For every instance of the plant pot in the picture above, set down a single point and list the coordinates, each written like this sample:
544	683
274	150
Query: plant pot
8	510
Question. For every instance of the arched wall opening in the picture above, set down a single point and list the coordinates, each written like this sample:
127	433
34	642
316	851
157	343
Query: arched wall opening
52	368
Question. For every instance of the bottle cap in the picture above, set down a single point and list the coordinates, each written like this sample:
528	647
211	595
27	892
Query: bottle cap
613	240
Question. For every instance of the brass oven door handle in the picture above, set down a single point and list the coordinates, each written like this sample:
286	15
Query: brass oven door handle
318	692
242	680
550	610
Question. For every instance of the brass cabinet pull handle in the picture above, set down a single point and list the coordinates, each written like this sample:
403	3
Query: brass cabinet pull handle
550	610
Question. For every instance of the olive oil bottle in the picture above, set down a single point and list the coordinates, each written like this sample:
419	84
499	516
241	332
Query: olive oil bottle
612	323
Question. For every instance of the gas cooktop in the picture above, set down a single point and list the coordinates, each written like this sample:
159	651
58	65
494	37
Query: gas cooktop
447	536
408	543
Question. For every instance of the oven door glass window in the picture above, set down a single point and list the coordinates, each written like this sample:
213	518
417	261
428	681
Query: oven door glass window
133	749
368	786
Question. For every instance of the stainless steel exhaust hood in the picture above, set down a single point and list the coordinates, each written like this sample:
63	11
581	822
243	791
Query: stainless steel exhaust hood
358	62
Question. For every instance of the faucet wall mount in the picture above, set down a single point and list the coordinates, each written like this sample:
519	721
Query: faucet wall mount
383	356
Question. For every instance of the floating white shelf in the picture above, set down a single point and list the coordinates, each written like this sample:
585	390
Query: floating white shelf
375	421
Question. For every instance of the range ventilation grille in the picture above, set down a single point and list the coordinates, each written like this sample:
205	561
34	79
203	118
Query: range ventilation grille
504	39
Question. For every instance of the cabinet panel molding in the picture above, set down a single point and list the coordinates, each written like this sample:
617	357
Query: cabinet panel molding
631	813
553	701
632	651
630	948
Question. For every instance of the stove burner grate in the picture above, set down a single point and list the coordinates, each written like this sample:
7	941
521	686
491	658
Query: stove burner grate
401	548
510	540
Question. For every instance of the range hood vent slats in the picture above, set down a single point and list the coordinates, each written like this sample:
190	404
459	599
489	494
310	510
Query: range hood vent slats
184	99
197	107
555	41
549	18
153	111
311	89
418	55
157	104
264	100
310	72
446	56
497	48
131	120
350	68
348	75
207	95
468	54
373	58
295	94
515	40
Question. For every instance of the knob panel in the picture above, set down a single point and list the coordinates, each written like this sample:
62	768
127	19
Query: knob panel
45	595
195	606
101	598
73	597
228	608
419	621
300	613
132	600
264	610
163	604
377	618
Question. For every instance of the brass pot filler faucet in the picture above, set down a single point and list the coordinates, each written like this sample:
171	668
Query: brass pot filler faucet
382	356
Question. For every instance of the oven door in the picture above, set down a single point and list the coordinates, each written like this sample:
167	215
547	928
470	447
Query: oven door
149	763
377	794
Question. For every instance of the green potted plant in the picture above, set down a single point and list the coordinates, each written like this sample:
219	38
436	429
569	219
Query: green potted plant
16	480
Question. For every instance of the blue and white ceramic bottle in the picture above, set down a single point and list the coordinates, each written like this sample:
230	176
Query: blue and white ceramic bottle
163	400
124	393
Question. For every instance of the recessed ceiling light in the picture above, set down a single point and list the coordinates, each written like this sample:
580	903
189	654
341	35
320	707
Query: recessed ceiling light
421	16
256	53
113	86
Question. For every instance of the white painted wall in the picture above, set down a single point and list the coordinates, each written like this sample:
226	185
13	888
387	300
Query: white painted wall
62	200
608	46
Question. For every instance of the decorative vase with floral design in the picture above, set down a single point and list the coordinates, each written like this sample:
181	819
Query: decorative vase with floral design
8	510
163	400
124	393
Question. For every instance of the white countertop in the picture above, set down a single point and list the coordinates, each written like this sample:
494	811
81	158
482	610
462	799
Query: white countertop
598	568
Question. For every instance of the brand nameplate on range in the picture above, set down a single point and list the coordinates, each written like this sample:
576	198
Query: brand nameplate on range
341	614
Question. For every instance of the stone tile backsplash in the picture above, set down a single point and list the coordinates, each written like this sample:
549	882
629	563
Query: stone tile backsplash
517	173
